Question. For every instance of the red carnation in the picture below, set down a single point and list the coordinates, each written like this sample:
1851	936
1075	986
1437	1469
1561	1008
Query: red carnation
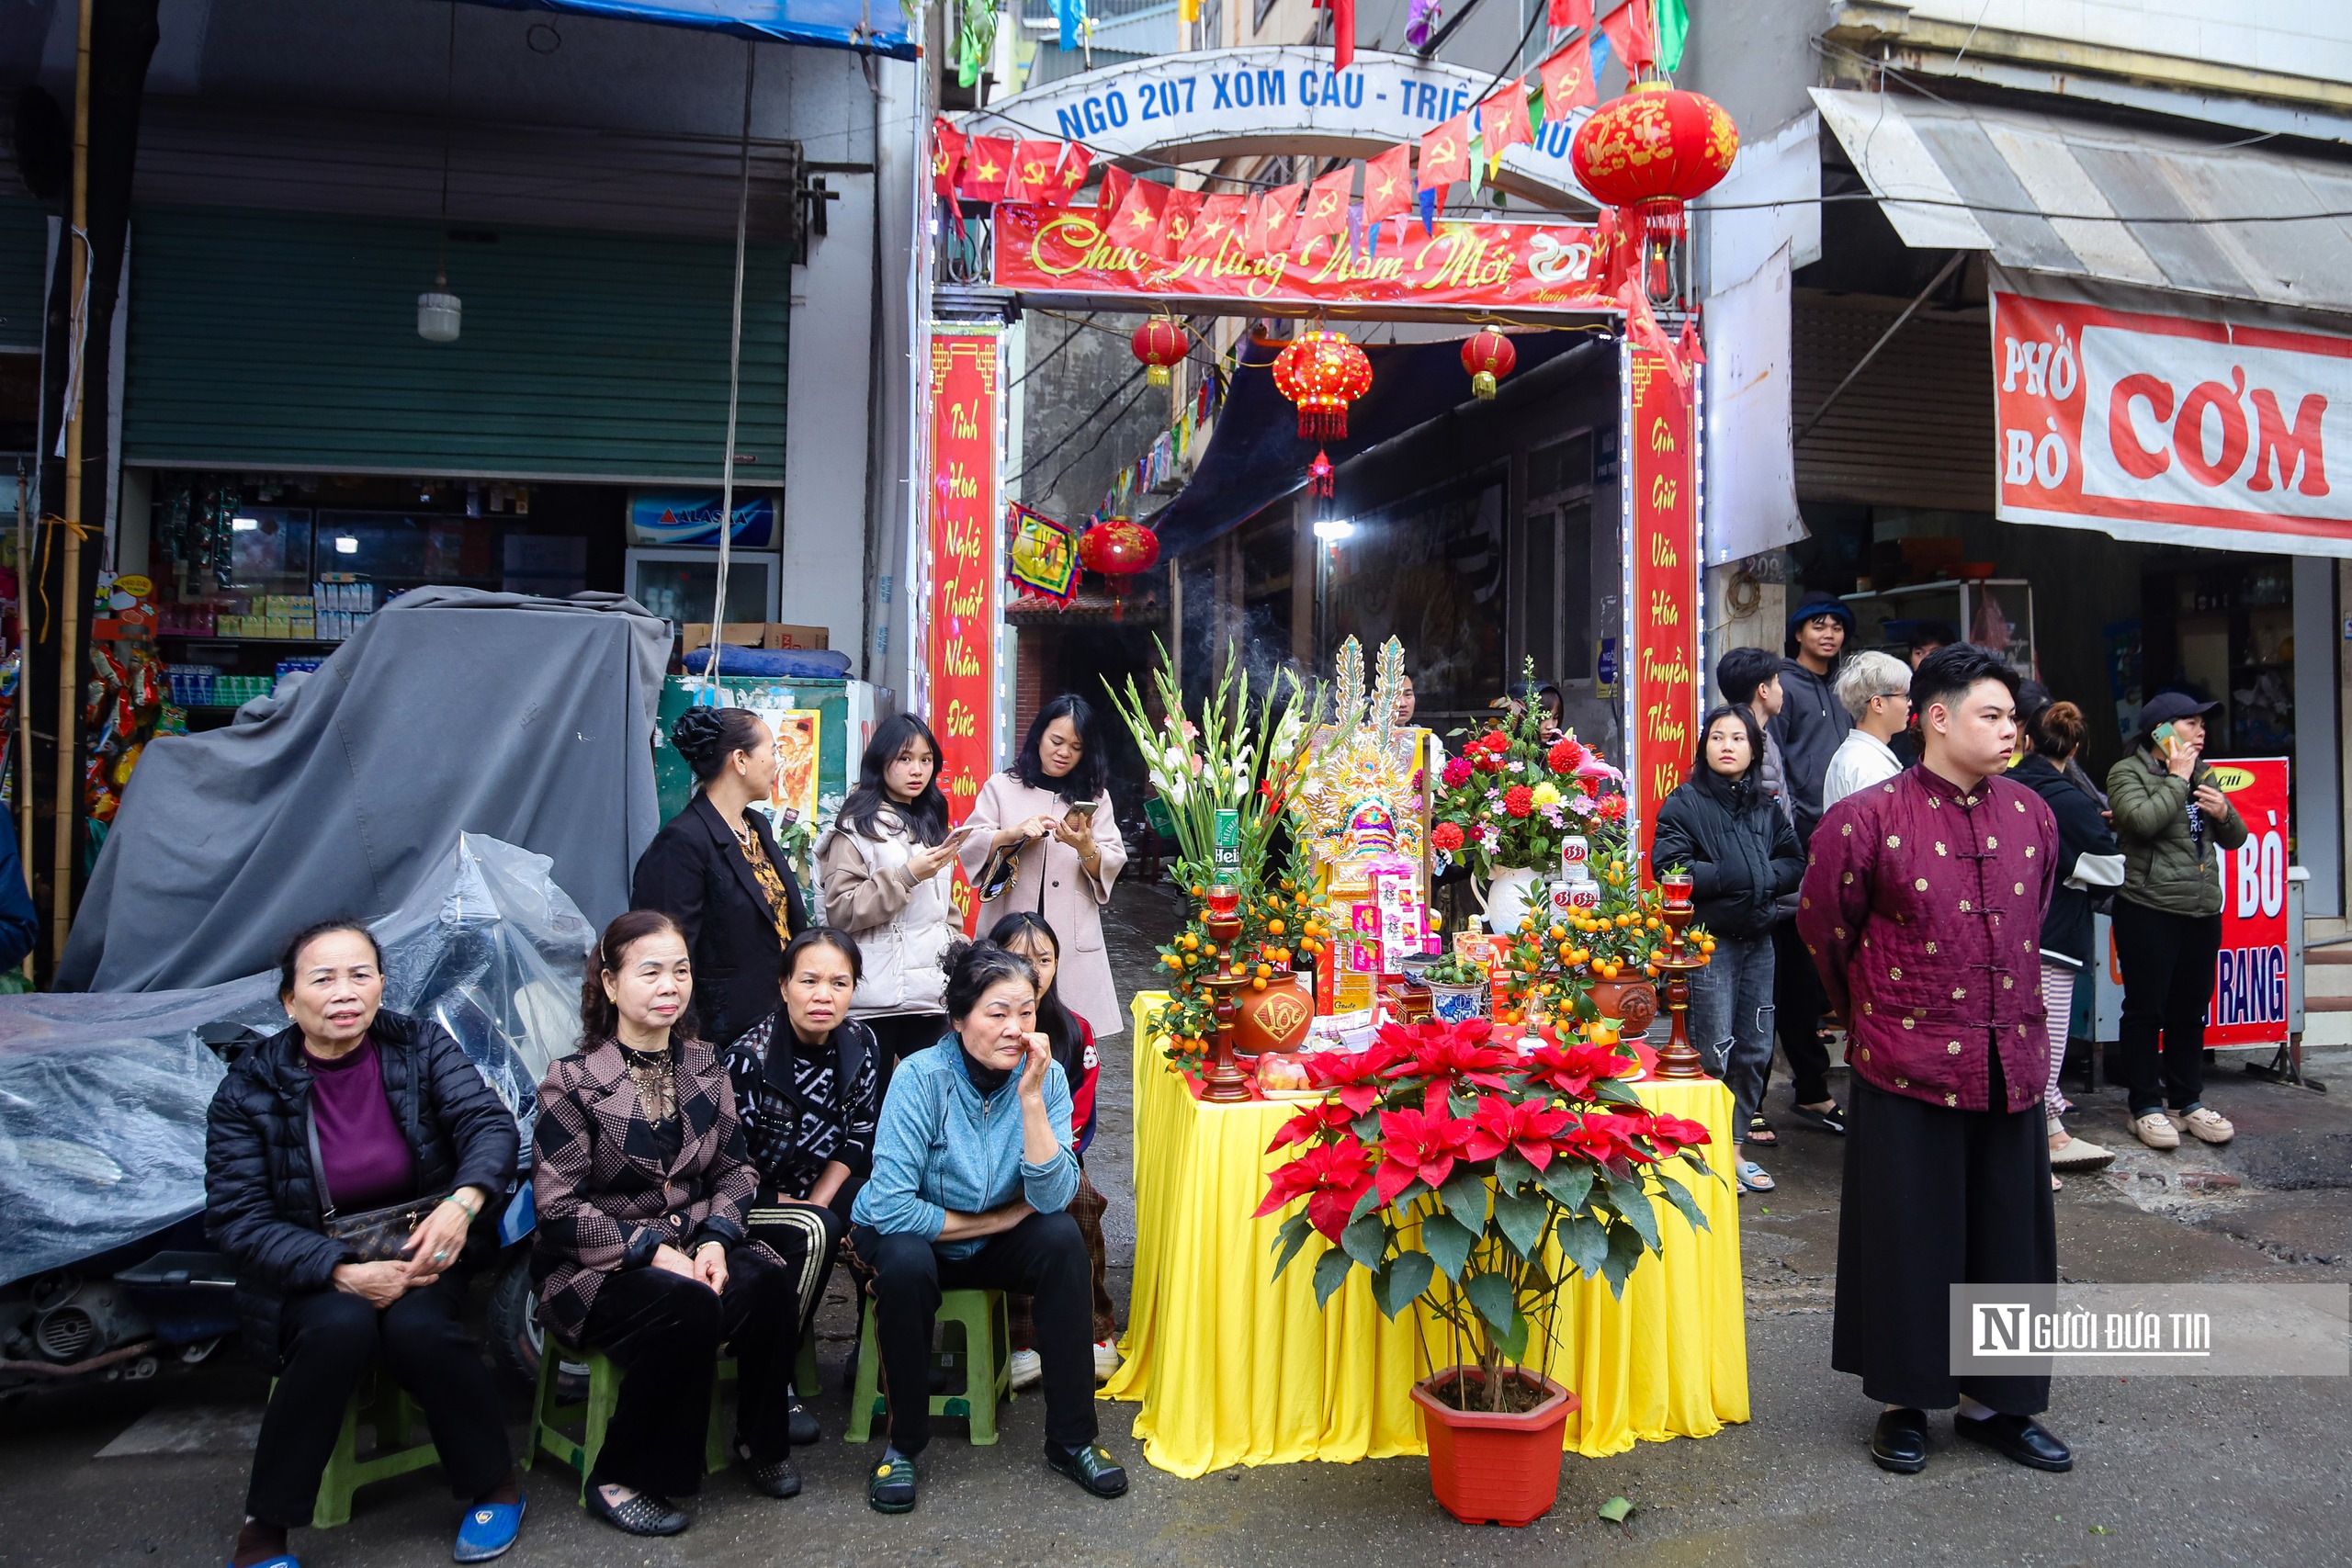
1519	800
1565	757
1457	772
1446	836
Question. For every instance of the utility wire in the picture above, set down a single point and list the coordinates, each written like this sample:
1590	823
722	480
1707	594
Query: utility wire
1039	461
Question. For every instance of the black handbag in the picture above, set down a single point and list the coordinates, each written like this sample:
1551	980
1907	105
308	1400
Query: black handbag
375	1235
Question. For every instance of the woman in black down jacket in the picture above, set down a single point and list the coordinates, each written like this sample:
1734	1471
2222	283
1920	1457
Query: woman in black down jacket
394	1113
1728	832
714	869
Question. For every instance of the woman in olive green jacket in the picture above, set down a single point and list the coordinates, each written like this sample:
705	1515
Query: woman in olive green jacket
2171	819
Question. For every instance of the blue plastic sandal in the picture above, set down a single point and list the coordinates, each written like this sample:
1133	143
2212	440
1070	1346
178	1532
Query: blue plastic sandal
487	1530
286	1561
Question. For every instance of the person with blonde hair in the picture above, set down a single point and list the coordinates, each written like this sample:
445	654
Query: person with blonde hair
1875	691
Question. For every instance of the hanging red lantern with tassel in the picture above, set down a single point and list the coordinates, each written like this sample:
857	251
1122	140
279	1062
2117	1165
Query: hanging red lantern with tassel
1118	547
1322	372
1160	343
1488	356
1319	474
1649	151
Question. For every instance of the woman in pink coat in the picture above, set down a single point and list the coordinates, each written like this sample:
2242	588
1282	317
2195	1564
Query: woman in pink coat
1050	812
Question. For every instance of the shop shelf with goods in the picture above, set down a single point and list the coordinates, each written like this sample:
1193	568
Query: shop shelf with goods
1996	611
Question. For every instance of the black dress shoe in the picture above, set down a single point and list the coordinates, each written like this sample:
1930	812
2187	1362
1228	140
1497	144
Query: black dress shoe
805	1432
1899	1441
2020	1437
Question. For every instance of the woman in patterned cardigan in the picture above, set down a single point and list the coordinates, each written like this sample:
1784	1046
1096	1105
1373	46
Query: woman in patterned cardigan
642	1183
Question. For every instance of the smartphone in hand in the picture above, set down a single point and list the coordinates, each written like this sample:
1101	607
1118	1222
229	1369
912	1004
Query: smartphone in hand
1082	809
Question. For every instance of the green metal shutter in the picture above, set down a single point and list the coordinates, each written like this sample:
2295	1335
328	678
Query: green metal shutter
24	271
288	341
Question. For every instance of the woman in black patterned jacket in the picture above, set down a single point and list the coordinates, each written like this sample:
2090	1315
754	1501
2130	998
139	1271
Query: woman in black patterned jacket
642	1185
808	1089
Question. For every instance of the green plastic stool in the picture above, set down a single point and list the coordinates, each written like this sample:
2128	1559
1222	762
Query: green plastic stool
386	1407
550	1415
987	1352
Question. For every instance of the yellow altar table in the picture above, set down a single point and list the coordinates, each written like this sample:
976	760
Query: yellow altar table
1233	1366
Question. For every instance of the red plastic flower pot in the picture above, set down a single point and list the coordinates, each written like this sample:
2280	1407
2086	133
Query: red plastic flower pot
1495	1468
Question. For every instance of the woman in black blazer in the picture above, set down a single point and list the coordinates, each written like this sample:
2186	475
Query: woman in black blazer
715	870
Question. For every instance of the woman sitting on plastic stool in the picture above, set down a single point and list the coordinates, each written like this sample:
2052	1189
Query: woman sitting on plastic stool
973	1176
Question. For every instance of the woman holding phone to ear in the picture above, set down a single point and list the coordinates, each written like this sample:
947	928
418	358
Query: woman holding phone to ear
1047	819
887	866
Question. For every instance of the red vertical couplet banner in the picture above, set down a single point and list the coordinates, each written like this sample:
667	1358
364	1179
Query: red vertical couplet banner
2249	1004
1664	677
959	655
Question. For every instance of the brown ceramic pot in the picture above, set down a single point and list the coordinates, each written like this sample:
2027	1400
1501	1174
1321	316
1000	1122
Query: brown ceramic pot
1634	1003
1275	1019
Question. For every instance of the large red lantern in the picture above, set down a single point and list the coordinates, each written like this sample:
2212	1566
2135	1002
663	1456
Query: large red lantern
1488	356
1653	148
1118	547
1160	343
1322	372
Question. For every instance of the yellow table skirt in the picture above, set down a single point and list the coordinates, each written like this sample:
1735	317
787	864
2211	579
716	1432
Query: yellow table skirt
1235	1367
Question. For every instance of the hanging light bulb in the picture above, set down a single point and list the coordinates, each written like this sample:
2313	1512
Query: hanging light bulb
440	313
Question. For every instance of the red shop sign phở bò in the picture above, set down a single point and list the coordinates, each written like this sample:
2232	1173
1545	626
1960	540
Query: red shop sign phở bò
1532	269
2171	429
959	655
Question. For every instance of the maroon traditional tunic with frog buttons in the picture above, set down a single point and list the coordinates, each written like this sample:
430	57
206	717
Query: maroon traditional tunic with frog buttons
1922	907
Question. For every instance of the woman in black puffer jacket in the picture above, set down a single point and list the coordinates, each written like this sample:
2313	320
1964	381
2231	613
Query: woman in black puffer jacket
351	1110
1727	830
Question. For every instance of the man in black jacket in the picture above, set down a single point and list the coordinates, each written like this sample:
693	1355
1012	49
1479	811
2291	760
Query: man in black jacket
1809	727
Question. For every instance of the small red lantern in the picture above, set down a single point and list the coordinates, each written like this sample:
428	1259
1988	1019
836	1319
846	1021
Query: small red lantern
1319	474
1322	372
1160	343
1488	356
1118	547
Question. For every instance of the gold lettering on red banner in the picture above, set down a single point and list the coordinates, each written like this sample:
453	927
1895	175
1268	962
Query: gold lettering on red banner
1666	692
960	630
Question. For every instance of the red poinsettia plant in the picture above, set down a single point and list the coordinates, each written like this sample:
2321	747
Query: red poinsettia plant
1476	1179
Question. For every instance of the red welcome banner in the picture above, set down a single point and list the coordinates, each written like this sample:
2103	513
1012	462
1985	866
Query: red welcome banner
959	657
1664	686
2169	429
1526	267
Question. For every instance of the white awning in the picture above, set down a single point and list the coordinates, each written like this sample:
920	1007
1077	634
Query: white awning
2075	198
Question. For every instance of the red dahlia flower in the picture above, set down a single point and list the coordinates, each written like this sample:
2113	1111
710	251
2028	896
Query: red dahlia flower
1487	762
1330	1177
1613	809
1457	772
1446	836
1519	800
1566	755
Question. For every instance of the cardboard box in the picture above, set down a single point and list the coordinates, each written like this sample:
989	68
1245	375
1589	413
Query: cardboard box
769	634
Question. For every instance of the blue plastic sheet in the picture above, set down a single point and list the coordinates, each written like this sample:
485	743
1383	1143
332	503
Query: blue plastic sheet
872	27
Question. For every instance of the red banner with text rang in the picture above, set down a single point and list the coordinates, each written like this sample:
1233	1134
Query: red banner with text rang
1531	267
1663	676
960	631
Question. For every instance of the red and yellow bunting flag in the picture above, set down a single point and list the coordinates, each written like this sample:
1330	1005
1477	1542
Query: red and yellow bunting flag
986	161
1137	224
1445	154
1388	184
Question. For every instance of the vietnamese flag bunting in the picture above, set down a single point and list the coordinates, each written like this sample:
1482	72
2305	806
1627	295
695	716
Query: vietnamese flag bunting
1502	123
947	156
1221	216
1272	224
1116	181
986	161
1567	81
1388	184
1177	221
1076	161
1137	224
1327	206
1632	30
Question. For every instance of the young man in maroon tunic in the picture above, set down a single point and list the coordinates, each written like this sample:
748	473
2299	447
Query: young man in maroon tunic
1922	907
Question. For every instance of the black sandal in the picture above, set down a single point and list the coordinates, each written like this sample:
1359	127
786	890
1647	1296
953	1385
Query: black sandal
642	1515
1760	1133
1093	1468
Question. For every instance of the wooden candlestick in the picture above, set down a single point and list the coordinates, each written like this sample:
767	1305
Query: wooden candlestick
1678	1060
1225	1083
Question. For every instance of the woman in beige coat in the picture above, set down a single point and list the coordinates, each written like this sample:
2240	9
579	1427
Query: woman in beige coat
1052	809
887	866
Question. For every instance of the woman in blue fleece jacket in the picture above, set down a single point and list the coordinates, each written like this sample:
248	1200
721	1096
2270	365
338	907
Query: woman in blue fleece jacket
971	1186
